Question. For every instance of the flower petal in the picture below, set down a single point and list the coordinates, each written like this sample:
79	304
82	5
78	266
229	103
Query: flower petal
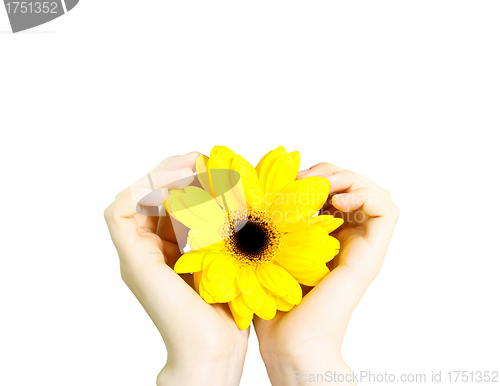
217	162
326	221
227	186
255	298
328	249
309	236
204	239
203	174
219	278
295	295
240	307
296	260
243	322
299	200
313	279
269	307
267	161
322	252
221	266
195	209
196	280
250	287
190	262
282	172
205	295
275	279
210	257
251	184
247	279
225	154
314	243
283	305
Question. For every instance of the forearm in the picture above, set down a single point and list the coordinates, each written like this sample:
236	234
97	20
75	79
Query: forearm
318	370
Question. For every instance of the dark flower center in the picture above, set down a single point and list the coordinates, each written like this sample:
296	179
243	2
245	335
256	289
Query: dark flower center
251	237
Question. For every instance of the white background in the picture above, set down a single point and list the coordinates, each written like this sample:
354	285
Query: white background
406	93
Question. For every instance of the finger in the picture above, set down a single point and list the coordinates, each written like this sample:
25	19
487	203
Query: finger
124	222
348	181
147	223
130	201
120	213
361	256
174	172
381	215
152	189
178	162
345	181
341	180
187	161
348	217
118	195
171	253
165	229
318	170
123	226
170	229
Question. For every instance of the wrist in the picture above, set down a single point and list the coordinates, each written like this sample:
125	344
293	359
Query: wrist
314	366
220	368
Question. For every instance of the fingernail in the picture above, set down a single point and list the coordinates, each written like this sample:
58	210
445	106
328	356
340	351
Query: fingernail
302	172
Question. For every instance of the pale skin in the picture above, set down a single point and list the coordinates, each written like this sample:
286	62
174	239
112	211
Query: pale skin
205	347
309	338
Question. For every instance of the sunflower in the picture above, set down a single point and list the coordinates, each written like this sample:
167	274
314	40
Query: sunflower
254	235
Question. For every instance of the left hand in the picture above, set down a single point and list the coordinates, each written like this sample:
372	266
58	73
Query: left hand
205	347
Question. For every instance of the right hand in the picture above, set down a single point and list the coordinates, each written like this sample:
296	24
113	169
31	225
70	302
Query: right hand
309	337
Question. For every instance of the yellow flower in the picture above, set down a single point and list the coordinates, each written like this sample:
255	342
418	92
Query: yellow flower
253	232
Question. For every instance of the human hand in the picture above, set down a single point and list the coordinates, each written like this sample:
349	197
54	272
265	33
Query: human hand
308	339
205	347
